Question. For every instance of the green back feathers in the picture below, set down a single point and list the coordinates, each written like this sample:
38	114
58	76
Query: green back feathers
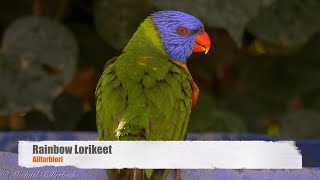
149	98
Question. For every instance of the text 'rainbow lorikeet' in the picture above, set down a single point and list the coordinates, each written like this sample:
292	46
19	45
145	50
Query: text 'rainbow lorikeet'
147	92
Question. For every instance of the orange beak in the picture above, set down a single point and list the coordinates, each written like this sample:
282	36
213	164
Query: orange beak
202	42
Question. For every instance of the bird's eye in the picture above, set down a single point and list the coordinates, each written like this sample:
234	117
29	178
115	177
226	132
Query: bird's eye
182	30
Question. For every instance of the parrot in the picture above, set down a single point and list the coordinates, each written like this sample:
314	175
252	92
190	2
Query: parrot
147	93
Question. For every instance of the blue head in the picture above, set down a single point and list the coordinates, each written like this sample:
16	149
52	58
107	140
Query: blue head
181	34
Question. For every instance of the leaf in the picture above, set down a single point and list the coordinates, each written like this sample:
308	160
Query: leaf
302	124
36	120
231	15
288	23
265	79
67	112
116	21
274	80
251	111
39	56
206	117
94	51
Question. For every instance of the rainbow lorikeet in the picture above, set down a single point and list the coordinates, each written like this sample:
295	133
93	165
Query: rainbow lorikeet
147	92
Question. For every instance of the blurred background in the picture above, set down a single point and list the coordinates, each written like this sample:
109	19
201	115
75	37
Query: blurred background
262	74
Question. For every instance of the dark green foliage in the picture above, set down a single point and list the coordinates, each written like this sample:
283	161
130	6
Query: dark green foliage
245	107
116	21
37	121
39	58
274	80
94	51
302	124
287	22
87	122
67	112
206	116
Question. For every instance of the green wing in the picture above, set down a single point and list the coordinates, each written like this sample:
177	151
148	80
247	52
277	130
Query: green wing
144	98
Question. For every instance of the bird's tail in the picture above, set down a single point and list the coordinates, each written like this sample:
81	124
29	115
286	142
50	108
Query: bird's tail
126	174
136	174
